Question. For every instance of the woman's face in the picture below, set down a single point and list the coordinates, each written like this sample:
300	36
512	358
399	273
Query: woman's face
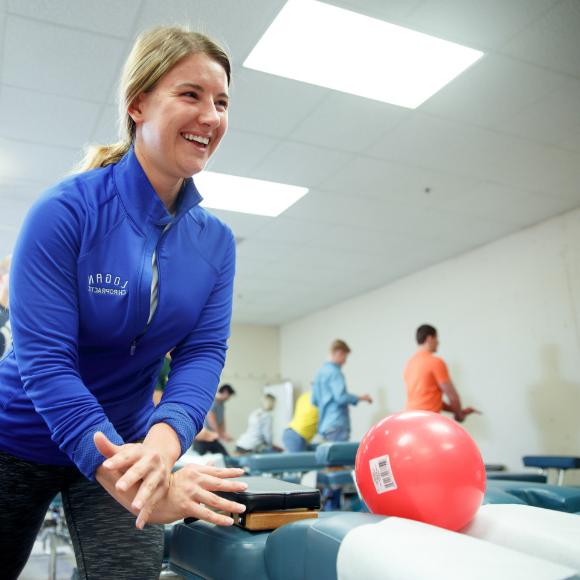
180	123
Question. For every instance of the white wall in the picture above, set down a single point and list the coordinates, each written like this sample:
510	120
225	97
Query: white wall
507	315
253	361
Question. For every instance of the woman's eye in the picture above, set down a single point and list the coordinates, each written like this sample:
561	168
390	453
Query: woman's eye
223	104
190	94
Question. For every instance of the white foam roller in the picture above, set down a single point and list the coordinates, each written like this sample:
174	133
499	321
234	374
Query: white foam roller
400	549
544	533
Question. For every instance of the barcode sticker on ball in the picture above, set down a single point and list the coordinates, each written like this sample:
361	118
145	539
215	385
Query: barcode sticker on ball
382	474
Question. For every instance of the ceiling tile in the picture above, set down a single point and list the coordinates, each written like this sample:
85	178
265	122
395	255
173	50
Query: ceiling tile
240	152
476	24
554	119
45	119
109	17
492	91
552	40
287	230
28	64
270	105
397	181
347	122
242	224
236	24
47	164
299	164
390	11
480	153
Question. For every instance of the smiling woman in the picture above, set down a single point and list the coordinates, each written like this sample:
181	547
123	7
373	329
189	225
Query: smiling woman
114	267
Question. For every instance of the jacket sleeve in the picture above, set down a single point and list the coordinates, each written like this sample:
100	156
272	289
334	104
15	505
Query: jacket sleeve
198	360
338	389
44	311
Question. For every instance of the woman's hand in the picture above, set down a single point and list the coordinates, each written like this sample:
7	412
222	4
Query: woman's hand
138	463
190	495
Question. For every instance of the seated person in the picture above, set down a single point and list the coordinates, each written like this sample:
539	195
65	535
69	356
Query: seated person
258	435
302	429
215	423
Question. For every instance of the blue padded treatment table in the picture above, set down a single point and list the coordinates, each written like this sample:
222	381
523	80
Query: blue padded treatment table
308	549
203	550
507	476
561	463
554	497
495	495
305	549
336	454
279	462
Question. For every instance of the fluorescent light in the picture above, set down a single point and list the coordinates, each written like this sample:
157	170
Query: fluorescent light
245	195
331	47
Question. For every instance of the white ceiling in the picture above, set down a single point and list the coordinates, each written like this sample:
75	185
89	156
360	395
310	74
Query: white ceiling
498	148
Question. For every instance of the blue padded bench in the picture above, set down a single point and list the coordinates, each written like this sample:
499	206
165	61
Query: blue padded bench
336	454
305	549
507	476
203	550
553	497
495	495
300	461
561	463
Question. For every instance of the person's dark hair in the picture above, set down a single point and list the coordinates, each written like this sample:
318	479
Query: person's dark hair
227	389
269	396
424	332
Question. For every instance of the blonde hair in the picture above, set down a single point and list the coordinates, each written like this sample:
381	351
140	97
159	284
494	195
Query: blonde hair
155	53
339	345
5	264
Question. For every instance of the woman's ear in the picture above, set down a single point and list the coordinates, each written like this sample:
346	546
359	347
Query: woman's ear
136	108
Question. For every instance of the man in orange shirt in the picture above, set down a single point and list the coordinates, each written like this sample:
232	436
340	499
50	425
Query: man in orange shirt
427	379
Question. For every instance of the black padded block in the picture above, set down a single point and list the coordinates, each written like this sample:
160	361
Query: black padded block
270	494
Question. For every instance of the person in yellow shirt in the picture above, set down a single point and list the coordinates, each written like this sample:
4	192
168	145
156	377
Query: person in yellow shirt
301	430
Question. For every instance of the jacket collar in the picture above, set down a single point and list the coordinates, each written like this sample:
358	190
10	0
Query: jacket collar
140	199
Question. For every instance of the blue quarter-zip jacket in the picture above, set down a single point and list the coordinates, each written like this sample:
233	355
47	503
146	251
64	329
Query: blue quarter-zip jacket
84	358
329	394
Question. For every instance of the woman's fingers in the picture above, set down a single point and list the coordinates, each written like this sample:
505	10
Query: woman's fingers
147	510
200	512
152	480
223	472
219	503
212	483
126	456
104	446
139	471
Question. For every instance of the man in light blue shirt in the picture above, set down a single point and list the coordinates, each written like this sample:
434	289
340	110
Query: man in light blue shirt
329	394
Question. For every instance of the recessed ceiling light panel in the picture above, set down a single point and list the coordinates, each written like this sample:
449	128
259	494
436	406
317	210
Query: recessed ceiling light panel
323	45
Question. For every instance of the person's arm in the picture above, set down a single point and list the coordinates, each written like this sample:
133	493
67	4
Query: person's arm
339	392
453	404
196	365
197	361
45	324
212	422
223	431
206	435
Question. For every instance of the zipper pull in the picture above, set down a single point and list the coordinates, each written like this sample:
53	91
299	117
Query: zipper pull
133	348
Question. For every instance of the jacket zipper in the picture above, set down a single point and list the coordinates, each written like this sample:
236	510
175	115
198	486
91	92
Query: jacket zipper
133	347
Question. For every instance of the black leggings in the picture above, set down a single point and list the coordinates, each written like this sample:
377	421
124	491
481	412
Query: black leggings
106	542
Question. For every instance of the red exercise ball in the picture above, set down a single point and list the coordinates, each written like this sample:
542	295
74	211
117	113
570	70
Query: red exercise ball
422	466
